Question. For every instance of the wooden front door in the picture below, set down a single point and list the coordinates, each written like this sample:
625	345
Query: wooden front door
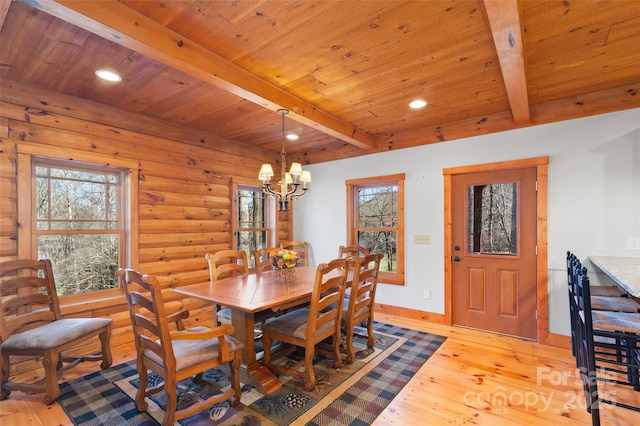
493	236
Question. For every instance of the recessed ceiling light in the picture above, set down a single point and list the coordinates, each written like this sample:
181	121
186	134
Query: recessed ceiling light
292	137
108	75
417	104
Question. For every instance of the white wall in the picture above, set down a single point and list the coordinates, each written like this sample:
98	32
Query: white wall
594	200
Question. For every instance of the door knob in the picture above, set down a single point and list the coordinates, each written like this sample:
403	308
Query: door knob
456	248
456	258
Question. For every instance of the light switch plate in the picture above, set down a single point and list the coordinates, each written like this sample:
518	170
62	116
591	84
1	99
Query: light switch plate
422	239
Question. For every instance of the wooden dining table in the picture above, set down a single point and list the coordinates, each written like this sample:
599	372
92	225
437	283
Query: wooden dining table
254	298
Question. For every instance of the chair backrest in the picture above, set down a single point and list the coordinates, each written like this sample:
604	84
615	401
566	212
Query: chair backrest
363	284
301	248
28	297
327	295
227	263
353	251
148	316
262	258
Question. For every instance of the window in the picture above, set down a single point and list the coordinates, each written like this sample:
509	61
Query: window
253	220
79	223
375	219
493	211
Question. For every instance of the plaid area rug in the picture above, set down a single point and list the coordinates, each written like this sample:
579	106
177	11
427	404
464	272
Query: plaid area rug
353	395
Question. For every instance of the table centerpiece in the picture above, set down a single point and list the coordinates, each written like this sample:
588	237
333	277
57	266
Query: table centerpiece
284	262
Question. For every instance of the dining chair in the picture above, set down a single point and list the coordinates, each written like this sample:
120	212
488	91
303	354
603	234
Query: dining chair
31	324
308	326
353	251
359	307
301	248
176	355
224	264
262	258
593	329
611	303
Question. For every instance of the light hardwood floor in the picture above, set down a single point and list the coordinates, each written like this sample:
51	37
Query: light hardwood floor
474	378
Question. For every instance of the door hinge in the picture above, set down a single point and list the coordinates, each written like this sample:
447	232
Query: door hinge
536	186
536	314
536	249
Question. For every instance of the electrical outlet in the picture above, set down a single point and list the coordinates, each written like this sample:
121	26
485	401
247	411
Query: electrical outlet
427	294
633	243
422	239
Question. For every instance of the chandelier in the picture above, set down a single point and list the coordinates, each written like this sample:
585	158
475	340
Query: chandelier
293	183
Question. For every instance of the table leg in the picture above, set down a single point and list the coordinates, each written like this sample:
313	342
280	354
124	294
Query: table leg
252	371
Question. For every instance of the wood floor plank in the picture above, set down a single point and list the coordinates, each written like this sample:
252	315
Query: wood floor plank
452	388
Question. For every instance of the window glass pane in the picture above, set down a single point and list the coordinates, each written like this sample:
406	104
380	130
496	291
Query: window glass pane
378	207
81	263
250	241
381	242
250	209
64	201
71	204
492	218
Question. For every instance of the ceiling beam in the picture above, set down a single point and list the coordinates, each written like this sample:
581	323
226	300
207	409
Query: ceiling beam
122	25
506	26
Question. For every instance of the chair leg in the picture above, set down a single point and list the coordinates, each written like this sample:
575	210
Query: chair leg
105	337
141	402
310	377
50	361
172	402
351	352
5	369
371	338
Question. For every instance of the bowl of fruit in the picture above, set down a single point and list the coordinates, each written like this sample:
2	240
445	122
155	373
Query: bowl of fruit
284	262
284	259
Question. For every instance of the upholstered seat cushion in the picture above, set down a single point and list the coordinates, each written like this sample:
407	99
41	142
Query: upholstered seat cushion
224	315
55	334
294	324
192	352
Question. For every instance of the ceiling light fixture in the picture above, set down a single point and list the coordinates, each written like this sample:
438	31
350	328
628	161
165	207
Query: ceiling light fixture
108	75
293	183
417	104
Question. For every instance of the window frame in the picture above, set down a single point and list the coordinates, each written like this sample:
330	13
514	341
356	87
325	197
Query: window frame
352	187
28	154
269	208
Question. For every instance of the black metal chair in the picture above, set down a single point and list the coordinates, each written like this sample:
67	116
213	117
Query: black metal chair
613	302
622	330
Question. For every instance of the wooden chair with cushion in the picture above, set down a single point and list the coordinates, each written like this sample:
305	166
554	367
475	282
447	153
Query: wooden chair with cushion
225	264
353	251
262	259
175	355
31	325
307	327
359	307
301	248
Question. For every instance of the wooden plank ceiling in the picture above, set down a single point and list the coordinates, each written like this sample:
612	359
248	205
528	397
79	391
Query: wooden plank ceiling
345	69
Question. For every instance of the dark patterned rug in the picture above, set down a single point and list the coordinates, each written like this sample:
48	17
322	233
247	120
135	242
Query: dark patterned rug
353	395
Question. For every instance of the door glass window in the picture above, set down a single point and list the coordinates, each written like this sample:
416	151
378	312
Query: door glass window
492	219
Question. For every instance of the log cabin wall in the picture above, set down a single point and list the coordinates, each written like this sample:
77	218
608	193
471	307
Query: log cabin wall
183	192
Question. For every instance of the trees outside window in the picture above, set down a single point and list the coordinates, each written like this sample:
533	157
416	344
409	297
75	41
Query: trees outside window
375	219
253	220
78	223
